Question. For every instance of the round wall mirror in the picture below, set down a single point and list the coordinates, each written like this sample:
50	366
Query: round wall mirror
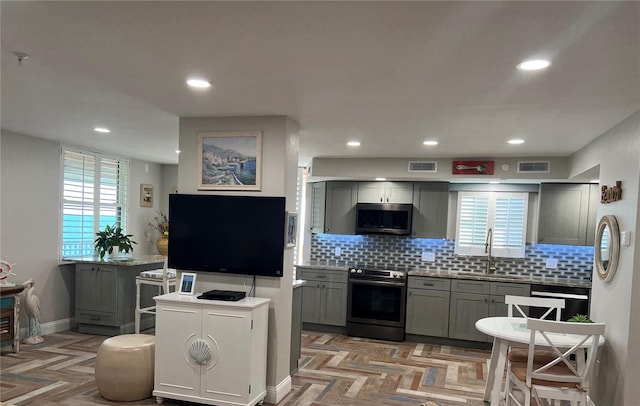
607	249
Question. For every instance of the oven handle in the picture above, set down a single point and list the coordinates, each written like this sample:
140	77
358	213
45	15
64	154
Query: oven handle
559	295
375	283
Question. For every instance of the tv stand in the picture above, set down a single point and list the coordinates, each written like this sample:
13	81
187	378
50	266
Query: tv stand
211	351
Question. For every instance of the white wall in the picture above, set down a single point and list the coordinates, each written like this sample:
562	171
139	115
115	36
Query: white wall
279	170
30	219
618	302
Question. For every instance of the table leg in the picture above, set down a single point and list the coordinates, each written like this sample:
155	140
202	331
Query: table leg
495	374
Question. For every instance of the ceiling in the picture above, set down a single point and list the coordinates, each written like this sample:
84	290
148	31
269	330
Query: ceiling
389	74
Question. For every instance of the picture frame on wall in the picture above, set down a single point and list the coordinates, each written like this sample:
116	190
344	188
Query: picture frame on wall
146	195
230	160
292	229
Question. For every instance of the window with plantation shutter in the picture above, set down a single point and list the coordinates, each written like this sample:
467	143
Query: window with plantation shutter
94	194
504	213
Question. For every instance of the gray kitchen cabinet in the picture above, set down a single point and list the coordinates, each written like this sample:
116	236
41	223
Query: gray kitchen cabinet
567	213
473	300
296	329
428	306
430	209
324	297
340	208
318	196
385	192
105	297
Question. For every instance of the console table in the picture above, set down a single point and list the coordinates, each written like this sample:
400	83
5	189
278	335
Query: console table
211	351
9	320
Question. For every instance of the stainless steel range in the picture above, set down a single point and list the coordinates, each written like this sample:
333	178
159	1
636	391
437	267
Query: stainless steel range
376	303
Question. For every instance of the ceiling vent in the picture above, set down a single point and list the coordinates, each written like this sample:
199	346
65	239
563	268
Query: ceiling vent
534	166
423	166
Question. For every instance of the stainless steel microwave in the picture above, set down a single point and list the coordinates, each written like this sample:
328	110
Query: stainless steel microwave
383	218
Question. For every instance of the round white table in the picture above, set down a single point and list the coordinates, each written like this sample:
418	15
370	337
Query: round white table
513	332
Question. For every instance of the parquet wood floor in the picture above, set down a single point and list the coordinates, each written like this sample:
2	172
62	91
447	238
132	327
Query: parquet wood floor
333	370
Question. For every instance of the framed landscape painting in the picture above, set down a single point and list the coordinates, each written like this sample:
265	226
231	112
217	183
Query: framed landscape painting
230	160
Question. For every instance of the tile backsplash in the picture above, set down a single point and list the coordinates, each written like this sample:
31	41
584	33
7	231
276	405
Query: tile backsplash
405	253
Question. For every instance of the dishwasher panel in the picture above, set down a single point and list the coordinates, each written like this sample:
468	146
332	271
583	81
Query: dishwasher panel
576	300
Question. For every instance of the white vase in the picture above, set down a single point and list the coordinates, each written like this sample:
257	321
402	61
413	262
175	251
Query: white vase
115	252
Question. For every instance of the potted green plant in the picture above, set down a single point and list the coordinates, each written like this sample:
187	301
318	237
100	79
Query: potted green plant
580	318
110	237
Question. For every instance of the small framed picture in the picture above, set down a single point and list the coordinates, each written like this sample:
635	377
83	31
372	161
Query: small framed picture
146	195
187	283
292	229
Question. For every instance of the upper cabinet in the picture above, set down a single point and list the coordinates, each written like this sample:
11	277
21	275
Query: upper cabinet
567	213
333	207
430	209
385	192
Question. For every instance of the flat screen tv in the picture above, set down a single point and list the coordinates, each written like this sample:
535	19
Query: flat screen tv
230	234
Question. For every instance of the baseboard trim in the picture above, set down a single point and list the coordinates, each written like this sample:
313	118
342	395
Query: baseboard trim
276	393
51	327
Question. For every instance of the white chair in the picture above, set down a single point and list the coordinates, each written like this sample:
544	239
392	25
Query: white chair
514	302
163	278
560	378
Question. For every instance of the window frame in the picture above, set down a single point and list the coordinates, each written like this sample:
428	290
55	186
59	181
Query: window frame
107	169
477	247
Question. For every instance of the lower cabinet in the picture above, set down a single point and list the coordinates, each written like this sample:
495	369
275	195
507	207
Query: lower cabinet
210	351
324	297
106	295
428	306
473	300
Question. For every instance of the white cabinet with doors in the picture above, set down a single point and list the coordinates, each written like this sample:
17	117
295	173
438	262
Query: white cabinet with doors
385	192
209	351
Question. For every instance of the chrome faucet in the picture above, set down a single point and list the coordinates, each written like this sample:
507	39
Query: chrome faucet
487	250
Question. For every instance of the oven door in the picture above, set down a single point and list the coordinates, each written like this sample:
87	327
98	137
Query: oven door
376	302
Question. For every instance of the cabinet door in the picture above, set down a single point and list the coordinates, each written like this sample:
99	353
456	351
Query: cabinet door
318	195
177	327
96	288
340	211
370	192
431	205
228	333
498	308
466	309
311	302
428	312
333	304
398	192
563	214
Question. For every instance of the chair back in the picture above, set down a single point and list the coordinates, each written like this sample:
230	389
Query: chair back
514	302
562	368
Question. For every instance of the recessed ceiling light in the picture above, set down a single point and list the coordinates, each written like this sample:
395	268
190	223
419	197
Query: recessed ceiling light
534	64
353	143
177	151
199	83
430	143
595	181
516	141
101	130
381	178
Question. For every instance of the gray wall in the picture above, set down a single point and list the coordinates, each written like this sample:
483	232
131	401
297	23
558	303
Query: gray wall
30	220
617	302
279	169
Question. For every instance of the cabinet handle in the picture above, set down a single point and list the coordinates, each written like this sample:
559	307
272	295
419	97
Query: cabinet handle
428	284
486	300
95	318
321	276
410	293
387	200
493	301
381	200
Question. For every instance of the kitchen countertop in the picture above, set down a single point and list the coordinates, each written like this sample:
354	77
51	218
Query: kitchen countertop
125	261
468	275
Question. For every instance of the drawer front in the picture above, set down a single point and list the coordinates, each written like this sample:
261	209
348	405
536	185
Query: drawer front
101	318
504	288
322	275
422	282
470	286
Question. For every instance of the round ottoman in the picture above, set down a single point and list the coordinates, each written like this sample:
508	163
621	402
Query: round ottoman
124	367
